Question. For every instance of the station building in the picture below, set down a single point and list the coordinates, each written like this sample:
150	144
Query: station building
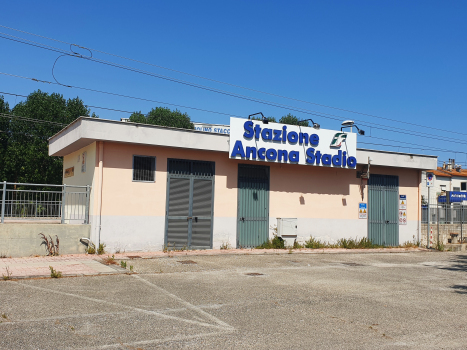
154	186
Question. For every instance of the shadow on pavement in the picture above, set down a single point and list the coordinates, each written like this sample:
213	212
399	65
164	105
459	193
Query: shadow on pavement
459	289
459	263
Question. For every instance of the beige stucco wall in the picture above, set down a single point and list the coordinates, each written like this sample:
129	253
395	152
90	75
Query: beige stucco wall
325	200
74	160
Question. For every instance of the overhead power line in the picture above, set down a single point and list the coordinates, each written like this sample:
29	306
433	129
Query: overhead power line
11	116
43	81
409	145
265	102
232	85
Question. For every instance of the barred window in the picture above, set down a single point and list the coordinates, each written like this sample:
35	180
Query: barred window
144	168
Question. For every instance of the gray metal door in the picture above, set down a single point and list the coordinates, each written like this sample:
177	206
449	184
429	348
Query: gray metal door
383	209
253	205
190	197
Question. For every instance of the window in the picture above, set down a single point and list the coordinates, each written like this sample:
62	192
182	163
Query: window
463	186
144	168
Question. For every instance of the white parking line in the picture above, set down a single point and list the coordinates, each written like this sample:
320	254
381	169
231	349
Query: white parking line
187	304
147	312
154	341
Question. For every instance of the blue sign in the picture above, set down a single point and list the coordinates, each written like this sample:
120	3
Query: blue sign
403	196
454	197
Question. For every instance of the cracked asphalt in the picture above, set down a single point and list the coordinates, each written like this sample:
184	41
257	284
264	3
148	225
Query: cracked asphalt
413	300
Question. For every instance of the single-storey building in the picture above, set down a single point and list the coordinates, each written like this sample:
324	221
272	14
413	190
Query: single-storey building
153	186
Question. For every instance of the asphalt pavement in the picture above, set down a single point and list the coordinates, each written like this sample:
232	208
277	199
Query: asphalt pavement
403	300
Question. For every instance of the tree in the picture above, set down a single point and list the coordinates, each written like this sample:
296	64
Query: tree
292	120
164	117
270	119
25	151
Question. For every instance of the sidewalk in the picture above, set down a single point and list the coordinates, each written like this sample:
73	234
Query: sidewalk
68	265
89	265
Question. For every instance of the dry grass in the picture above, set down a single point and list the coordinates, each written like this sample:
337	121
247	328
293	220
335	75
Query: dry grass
51	247
109	260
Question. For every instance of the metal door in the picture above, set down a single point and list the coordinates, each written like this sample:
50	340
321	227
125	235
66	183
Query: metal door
383	210
253	205
190	197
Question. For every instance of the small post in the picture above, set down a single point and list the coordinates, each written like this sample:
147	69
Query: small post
86	213
3	202
437	217
462	223
63	203
428	222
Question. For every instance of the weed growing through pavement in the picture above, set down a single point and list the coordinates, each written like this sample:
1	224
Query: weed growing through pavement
123	264
4	315
109	260
440	246
101	249
91	248
8	274
409	244
131	268
225	246
51	246
3	256
313	243
54	273
275	243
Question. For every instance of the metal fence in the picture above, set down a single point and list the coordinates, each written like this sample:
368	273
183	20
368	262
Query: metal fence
446	223
29	202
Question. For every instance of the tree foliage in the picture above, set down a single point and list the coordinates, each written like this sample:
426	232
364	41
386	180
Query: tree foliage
23	143
164	117
292	120
286	119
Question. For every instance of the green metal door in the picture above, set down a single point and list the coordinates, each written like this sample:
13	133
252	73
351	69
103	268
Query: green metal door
253	205
383	210
190	199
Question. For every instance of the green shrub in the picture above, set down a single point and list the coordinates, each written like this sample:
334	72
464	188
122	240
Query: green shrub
275	243
101	249
54	273
91	248
314	243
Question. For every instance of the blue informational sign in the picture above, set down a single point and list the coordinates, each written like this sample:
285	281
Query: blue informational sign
362	211
454	197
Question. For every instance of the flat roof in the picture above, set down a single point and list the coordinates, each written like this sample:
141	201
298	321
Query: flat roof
85	130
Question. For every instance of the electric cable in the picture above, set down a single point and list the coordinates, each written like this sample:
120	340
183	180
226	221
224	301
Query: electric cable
233	85
300	110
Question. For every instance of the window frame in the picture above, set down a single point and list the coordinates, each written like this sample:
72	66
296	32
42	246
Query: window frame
133	168
464	184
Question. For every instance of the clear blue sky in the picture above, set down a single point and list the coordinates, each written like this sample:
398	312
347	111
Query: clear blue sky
404	60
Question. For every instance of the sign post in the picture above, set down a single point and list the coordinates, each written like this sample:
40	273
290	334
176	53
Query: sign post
429	184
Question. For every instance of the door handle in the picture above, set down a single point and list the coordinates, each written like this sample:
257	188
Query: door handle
196	219
387	221
242	219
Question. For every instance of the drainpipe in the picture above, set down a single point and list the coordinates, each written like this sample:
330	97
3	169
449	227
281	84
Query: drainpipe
99	190
419	211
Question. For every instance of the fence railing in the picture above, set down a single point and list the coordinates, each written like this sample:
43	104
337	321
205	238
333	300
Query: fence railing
26	201
446	223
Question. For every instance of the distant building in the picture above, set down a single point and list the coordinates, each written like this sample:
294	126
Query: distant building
449	177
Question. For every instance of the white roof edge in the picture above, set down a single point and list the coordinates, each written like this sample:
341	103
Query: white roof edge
85	130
